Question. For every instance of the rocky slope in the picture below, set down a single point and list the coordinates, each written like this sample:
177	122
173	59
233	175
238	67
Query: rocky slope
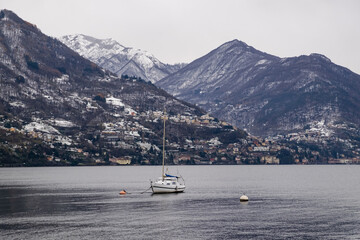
268	95
111	55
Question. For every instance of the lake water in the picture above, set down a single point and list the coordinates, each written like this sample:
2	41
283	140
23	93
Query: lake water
285	202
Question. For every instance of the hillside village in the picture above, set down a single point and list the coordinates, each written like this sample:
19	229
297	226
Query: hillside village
318	146
129	140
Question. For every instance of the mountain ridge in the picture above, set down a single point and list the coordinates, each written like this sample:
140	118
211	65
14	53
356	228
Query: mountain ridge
239	84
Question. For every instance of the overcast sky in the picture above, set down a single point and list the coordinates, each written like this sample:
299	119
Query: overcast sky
184	30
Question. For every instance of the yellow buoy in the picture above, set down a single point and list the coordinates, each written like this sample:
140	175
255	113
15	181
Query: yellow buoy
244	198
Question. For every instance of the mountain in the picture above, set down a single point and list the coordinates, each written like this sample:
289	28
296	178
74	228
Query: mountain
58	108
118	59
268	95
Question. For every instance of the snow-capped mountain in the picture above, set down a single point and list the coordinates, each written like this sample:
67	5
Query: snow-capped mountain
268	95
118	59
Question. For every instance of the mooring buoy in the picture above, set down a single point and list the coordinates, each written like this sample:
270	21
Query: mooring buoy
244	198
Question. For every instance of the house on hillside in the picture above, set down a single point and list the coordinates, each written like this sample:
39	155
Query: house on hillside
270	160
121	160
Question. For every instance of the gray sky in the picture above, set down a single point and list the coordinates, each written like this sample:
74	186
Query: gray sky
184	30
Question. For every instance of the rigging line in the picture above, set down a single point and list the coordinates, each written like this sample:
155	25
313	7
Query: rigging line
163	160
145	190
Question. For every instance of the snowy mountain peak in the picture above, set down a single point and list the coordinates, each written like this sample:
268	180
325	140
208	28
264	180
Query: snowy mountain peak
86	45
9	15
119	59
235	44
320	56
238	47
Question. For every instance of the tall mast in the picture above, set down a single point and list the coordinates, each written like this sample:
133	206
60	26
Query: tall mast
163	160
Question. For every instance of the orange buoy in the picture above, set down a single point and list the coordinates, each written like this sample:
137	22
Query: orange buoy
122	192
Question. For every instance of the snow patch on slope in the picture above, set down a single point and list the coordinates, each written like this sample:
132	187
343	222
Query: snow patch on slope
115	101
41	127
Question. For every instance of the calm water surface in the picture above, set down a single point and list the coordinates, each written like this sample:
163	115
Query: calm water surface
286	202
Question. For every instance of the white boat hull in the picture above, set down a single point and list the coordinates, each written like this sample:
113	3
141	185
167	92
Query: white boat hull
161	189
167	185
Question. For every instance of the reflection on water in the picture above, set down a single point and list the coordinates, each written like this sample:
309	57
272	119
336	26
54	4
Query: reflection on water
300	202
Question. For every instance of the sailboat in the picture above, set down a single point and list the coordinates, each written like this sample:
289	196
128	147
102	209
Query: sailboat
167	183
